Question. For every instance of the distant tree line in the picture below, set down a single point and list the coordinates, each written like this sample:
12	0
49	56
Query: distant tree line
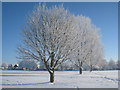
33	65
102	65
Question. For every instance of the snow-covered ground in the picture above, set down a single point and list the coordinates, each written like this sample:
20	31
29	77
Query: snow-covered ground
63	79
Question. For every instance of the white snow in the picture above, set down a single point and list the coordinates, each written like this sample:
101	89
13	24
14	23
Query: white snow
63	79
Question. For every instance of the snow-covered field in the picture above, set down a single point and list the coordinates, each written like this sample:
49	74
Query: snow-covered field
63	79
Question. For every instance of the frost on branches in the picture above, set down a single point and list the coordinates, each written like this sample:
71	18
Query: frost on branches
89	49
54	35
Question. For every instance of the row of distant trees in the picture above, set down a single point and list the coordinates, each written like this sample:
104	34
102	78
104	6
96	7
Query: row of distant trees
33	65
22	65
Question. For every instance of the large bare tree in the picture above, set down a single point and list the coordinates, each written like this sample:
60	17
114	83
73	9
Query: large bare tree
48	36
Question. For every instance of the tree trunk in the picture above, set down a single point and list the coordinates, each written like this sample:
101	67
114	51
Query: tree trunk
91	68
52	77
80	70
52	68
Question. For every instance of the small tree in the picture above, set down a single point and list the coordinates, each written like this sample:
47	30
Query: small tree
10	66
118	64
112	64
29	64
102	64
4	65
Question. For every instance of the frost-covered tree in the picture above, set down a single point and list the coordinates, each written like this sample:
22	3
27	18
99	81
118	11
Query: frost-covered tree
67	66
87	42
10	66
28	64
4	65
102	64
96	48
80	55
118	64
48	36
112	65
